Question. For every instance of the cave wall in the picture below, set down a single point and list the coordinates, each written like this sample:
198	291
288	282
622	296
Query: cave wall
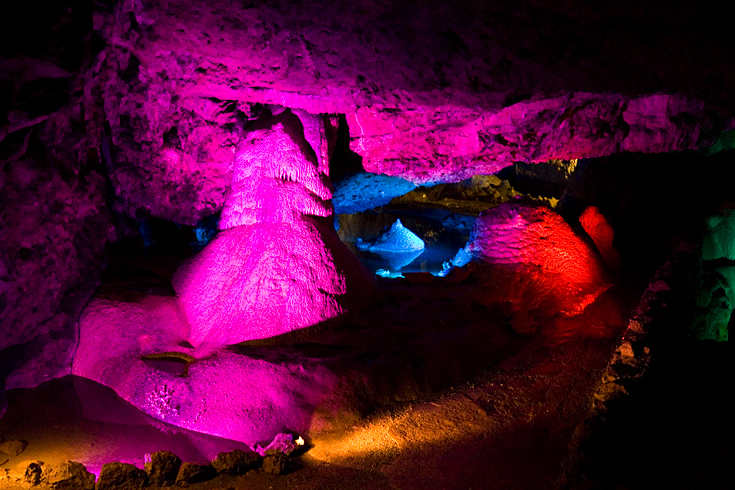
54	220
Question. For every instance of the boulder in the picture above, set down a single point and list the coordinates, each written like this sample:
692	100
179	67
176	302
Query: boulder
237	462
13	448
121	476
70	475
194	473
162	468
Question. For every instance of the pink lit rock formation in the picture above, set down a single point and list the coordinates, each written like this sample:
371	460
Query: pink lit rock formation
223	393
527	256
277	266
439	145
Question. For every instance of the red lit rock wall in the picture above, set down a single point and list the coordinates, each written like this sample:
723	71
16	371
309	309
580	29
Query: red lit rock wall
527	256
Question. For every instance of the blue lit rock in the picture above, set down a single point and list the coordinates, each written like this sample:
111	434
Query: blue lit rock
396	240
364	191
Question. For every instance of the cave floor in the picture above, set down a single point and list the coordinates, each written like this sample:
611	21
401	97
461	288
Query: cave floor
511	420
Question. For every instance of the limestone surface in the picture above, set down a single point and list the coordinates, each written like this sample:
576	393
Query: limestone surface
530	258
276	267
398	239
70	476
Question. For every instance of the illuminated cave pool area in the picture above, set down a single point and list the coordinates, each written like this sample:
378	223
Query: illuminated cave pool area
345	245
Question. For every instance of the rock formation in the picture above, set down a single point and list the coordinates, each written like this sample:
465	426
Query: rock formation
528	257
398	239
276	267
602	233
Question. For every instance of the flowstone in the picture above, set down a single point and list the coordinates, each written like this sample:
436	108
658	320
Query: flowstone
277	266
528	257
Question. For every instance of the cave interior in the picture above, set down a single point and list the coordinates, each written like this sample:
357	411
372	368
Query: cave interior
374	245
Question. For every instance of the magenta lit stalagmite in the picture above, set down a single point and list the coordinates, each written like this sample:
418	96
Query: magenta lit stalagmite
278	265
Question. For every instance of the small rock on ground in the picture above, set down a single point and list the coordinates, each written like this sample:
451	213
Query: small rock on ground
194	473
70	476
121	476
236	462
275	464
162	468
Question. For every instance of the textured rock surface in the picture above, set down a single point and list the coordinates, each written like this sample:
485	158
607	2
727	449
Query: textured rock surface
397	239
237	462
719	237
121	476
414	145
53	217
434	93
53	236
437	93
277	267
162	468
283	443
33	473
194	473
528	256
602	233
221	385
70	476
364	191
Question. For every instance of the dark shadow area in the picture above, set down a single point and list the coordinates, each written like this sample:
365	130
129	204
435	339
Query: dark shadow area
676	429
653	201
344	161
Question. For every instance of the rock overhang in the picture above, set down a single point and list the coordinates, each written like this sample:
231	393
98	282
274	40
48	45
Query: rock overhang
432	94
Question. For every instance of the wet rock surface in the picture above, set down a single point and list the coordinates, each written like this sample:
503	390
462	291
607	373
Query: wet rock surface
527	257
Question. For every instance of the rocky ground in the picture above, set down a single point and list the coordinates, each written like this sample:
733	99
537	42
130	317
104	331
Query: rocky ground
513	422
